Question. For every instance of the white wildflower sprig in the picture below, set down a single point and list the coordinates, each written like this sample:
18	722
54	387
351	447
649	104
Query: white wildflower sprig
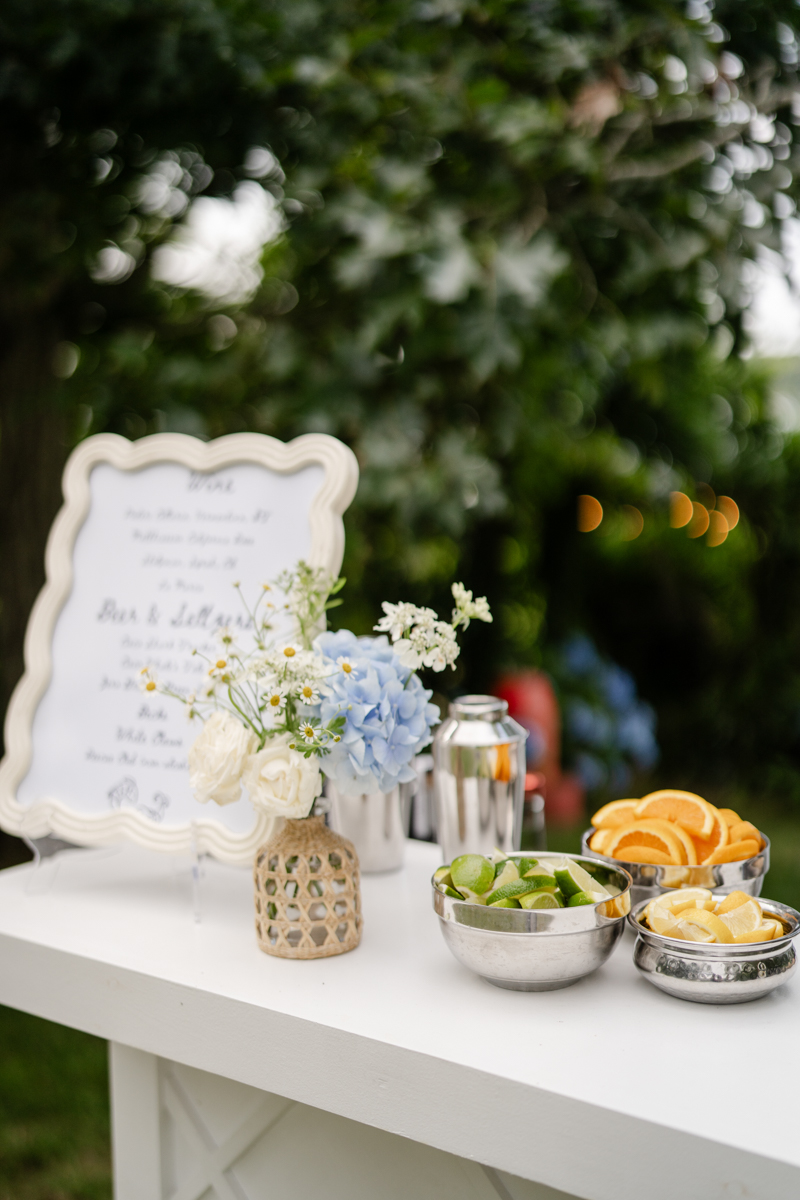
308	591
420	639
262	688
467	609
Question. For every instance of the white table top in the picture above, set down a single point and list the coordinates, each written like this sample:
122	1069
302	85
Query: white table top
605	1089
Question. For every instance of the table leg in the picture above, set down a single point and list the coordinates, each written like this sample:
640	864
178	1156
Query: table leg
183	1134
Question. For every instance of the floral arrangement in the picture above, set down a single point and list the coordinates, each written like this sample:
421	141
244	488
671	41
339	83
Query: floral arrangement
276	713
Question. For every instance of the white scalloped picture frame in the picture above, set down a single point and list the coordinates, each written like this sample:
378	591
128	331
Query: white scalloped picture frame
205	833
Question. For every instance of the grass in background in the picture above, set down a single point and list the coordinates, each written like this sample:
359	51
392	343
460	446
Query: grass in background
54	1113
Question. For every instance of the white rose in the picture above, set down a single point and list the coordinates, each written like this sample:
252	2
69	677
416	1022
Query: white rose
217	759
280	781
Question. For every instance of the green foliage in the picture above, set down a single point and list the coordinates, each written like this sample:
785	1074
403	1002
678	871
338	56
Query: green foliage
511	272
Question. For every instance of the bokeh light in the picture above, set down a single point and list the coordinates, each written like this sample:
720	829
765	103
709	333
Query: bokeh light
633	522
699	522
590	513
706	496
717	528
729	509
680	510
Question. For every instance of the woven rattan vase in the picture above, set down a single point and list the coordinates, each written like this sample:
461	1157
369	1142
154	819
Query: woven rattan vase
308	898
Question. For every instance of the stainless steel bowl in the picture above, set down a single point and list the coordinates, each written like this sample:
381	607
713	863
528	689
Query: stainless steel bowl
714	974
651	881
530	950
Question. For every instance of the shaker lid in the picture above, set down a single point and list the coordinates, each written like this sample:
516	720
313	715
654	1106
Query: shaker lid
478	708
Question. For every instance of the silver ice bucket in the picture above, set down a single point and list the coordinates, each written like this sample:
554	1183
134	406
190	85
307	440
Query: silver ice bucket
479	778
376	824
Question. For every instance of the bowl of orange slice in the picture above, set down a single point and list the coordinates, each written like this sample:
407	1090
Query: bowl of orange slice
674	839
714	949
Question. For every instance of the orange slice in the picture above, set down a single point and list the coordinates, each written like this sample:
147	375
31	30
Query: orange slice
731	901
654	835
689	855
616	812
735	851
692	812
720	836
644	854
729	816
707	921
598	840
738	833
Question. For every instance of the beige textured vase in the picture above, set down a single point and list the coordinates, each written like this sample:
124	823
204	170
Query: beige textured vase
307	893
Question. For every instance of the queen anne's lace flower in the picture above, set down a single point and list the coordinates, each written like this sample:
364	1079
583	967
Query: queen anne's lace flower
421	639
467	609
388	719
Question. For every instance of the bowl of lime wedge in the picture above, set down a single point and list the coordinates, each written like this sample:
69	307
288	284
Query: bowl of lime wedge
528	922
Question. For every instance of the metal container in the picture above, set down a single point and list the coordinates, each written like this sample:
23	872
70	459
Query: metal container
422	825
717	974
530	950
651	881
376	824
479	778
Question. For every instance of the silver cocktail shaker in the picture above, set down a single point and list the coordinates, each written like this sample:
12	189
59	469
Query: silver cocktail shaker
479	778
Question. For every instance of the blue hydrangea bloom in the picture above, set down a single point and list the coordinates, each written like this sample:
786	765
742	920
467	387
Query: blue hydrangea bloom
388	719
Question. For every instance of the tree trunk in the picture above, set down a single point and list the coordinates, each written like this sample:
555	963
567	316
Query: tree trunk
34	443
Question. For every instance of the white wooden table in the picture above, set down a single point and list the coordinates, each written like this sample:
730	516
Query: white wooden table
389	1073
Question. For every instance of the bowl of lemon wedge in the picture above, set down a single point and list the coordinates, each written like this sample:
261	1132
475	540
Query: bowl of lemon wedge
713	948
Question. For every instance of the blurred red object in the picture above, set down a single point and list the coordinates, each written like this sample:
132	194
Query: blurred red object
532	701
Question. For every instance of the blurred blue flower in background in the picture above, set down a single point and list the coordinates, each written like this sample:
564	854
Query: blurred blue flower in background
388	719
608	730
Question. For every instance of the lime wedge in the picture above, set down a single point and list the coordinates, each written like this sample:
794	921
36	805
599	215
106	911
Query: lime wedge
513	889
541	899
580	898
448	891
509	902
441	877
524	865
539	869
472	871
572	878
507	875
472	897
540	881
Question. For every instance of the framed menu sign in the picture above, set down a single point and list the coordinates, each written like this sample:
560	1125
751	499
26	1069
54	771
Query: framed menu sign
140	564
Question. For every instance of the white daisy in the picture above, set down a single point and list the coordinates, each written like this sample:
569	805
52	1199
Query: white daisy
345	665
307	692
275	698
307	732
